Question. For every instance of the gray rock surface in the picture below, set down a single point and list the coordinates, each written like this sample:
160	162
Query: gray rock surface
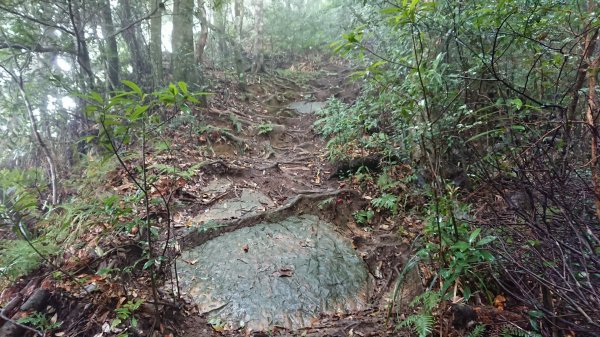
275	274
248	202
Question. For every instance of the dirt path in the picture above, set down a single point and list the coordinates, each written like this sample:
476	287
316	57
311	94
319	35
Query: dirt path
277	154
247	157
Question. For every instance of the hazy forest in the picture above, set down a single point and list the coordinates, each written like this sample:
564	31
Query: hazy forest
299	168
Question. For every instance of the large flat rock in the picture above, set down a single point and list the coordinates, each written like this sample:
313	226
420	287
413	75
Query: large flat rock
248	202
276	274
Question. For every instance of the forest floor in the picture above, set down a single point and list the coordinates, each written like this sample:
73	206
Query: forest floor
287	161
250	140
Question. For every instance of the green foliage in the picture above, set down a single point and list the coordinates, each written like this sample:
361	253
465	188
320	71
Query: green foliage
172	170
477	331
292	25
386	201
125	314
515	331
237	125
422	322
364	217
40	321
352	127
19	192
17	258
127	110
460	250
265	128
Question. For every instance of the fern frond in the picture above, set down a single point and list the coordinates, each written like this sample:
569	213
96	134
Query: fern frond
421	324
515	331
477	331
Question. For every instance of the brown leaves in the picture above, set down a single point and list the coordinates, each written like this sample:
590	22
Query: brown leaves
499	302
284	272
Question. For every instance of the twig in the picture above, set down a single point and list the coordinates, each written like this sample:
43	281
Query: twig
12	321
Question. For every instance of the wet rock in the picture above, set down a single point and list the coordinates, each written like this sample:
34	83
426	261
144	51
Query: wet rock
276	274
249	202
306	107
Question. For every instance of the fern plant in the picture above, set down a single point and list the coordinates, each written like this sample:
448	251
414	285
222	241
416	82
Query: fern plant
515	331
423	321
421	324
477	331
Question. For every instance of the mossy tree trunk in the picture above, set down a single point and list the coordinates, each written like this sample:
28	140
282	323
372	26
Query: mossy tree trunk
184	68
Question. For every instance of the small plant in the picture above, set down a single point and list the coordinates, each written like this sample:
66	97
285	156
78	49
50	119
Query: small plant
364	217
386	201
422	322
477	331
40	321
169	169
515	331
237	125
459	249
265	128
125	314
325	203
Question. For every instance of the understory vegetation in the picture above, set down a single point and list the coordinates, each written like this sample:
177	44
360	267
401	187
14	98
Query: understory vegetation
473	137
495	110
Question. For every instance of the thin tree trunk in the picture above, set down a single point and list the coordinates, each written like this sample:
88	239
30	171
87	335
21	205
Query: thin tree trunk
40	141
156	42
592	110
111	52
220	28
258	64
183	41
202	38
239	61
138	60
83	54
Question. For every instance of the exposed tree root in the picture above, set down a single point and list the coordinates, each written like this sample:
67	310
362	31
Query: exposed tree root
312	203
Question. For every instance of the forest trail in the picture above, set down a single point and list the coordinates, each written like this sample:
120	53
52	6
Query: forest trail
263	164
260	229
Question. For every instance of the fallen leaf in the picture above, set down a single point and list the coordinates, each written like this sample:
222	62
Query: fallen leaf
284	272
499	302
192	262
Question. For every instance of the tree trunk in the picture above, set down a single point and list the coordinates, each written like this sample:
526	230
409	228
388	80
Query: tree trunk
83	54
239	61
183	41
258	64
138	60
156	42
220	20
111	52
40	141
201	43
592	112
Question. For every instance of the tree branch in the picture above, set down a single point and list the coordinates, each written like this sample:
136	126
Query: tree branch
35	48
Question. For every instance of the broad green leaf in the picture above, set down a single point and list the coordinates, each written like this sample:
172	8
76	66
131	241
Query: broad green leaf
148	264
486	240
96	97
485	133
185	108
183	86
138	111
517	103
461	245
132	86
474	235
